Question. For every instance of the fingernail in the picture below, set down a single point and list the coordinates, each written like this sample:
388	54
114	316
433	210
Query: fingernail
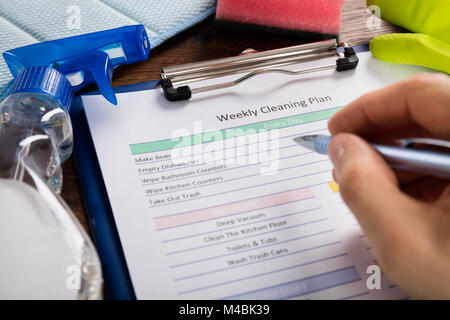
336	149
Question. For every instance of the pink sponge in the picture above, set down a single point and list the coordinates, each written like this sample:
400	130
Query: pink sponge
319	18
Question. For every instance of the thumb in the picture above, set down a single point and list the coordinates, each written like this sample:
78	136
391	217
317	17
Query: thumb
369	188
410	48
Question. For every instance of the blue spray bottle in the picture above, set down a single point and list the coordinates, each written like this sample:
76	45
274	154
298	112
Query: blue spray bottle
35	138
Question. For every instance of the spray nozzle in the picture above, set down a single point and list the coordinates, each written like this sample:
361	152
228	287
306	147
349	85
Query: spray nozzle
85	59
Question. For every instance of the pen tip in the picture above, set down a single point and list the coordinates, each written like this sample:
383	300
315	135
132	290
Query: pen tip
306	141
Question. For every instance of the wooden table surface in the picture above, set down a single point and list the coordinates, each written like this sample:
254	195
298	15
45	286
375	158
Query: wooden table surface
203	42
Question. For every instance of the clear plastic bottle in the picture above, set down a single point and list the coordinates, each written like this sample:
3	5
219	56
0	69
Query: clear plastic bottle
49	254
43	127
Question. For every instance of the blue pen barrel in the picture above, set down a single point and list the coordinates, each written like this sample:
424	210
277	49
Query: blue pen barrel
421	161
321	143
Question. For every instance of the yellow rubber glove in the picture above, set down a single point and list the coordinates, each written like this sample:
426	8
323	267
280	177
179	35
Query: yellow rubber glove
429	47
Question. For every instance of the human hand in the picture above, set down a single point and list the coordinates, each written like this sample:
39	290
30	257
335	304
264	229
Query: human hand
405	216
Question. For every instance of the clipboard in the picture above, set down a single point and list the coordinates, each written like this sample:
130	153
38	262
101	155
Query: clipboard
118	285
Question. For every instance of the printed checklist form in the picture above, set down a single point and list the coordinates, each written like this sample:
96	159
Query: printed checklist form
213	199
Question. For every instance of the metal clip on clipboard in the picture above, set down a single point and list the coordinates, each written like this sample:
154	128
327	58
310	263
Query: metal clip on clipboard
174	79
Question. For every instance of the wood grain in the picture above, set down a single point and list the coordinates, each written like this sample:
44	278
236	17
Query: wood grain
203	42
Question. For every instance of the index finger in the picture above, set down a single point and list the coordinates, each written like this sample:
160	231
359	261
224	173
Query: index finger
422	100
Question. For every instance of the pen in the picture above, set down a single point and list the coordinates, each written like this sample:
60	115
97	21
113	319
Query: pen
404	156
